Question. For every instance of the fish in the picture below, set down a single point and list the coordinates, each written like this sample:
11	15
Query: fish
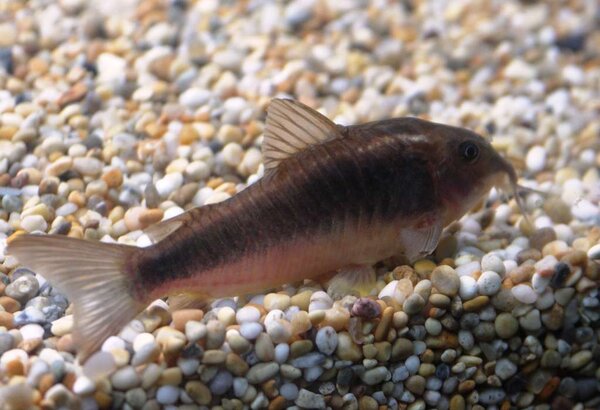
334	200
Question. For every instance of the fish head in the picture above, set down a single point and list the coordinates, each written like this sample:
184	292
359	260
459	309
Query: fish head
469	167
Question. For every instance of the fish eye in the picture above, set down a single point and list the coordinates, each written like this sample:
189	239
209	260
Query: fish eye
469	151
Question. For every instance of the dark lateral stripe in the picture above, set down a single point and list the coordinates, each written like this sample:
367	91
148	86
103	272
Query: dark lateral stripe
341	182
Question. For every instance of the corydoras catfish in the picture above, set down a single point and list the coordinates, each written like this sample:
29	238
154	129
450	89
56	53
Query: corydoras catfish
333	199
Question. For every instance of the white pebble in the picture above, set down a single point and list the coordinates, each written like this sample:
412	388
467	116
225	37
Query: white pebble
216	197
539	282
62	326
468	269
83	386
282	352
113	342
536	158
141	340
468	287
194	97
33	223
99	364
232	154
125	378
494	263
32	331
489	283
524	294
250	330
247	314
319	301
594	252
169	183
167	394
326	340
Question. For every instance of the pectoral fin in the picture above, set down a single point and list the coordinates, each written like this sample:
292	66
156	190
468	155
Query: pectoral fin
422	239
352	280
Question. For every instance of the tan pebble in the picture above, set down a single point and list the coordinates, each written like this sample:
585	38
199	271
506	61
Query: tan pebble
150	216
188	135
113	177
9	304
226	315
347	349
476	303
73	94
264	348
279	301
384	351
302	299
317	317
367	403
14	368
277	403
556	248
155	129
121	356
181	317
7	132
6	320
171	376
401	349
46	381
66	344
336	317
369	351
230	133
400	319
424	267
69	380
300	347
522	273
198	392
103	399
214	357
384	324
300	323
445	279
270	388
238	343
457	402
236	365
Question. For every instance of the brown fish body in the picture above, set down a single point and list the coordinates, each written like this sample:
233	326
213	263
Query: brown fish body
332	199
342	203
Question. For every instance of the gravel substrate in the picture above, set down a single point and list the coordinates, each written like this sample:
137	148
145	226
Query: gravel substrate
118	115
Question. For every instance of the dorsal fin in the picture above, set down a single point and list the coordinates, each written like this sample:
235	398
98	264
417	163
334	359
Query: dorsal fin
292	127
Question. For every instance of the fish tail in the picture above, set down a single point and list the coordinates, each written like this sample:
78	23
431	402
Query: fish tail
92	275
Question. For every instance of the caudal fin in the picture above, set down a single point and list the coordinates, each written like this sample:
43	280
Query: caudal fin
91	275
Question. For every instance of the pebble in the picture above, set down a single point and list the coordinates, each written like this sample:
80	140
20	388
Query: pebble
167	394
445	280
22	288
247	314
309	400
488	283
125	378
468	287
506	325
524	294
326	340
261	372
